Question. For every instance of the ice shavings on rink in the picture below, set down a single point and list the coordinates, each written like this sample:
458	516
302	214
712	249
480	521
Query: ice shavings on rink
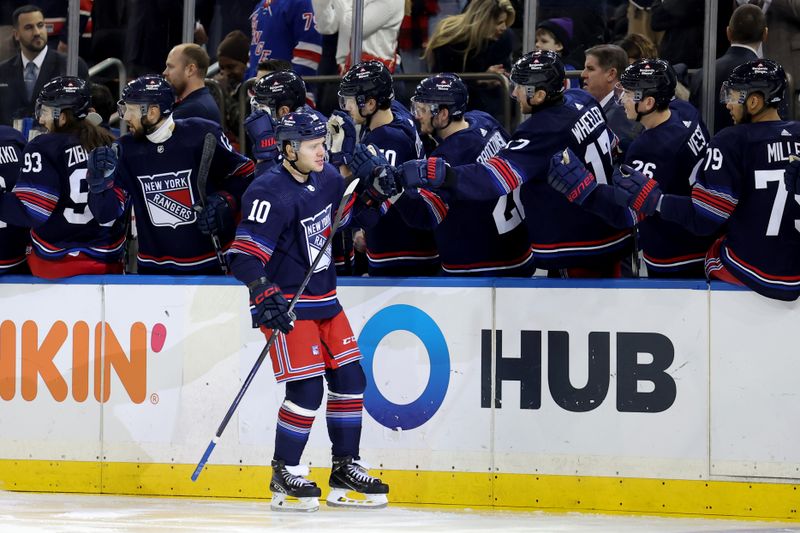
80	513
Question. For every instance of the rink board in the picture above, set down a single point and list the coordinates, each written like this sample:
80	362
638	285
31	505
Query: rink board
667	397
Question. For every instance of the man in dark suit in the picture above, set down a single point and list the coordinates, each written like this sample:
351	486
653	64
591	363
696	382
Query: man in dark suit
23	75
601	71
746	31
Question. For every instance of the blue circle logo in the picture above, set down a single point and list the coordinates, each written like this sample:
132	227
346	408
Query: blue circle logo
420	324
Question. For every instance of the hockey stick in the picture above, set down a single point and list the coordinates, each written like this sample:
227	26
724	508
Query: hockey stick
209	144
336	221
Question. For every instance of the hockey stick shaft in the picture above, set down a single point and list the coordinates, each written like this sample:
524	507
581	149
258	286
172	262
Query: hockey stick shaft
209	145
232	409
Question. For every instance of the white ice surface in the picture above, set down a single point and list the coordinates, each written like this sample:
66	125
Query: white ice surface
79	513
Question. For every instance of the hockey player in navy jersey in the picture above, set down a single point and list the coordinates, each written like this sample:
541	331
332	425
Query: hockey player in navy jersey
288	213
566	240
669	150
393	247
285	29
50	194
474	238
741	189
155	168
14	240
276	95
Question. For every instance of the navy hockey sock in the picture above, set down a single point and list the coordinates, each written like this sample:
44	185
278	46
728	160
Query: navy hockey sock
295	418
345	402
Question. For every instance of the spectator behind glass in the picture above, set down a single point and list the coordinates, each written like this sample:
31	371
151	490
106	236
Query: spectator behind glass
556	35
682	24
746	31
638	46
104	105
477	40
382	20
186	69
25	73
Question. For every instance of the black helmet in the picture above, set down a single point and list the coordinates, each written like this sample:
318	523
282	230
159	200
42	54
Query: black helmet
541	69
650	77
65	92
148	90
368	79
443	89
277	89
759	75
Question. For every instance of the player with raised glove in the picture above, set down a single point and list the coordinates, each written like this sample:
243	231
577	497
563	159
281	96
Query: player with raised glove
643	193
568	176
364	161
791	176
268	306
260	128
428	173
341	138
101	164
217	215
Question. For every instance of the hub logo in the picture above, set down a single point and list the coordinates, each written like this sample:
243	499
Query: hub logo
420	324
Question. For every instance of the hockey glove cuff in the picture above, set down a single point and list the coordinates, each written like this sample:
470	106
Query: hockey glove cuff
365	160
643	192
422	173
261	129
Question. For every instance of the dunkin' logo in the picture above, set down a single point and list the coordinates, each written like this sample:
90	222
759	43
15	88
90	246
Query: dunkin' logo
26	361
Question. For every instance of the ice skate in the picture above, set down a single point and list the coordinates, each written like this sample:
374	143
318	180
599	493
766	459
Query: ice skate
291	491
349	475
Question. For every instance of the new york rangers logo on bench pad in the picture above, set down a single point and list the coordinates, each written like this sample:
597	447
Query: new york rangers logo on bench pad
169	198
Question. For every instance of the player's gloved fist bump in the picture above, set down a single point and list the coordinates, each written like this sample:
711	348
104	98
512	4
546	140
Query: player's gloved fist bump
217	214
268	307
261	129
425	173
568	176
341	138
101	164
643	193
383	185
791	176
365	160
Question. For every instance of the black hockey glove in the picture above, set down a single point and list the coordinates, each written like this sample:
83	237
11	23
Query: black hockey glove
643	193
568	176
100	165
365	160
791	176
268	307
383	185
217	215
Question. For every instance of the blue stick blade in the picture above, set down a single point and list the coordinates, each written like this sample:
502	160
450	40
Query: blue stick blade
203	460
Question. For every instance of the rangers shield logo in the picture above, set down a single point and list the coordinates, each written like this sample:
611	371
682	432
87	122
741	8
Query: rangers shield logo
317	229
169	198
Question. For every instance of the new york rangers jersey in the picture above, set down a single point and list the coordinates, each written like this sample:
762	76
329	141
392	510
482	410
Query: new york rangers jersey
477	238
285	29
284	225
393	247
672	154
13	239
51	197
563	235
741	187
160	180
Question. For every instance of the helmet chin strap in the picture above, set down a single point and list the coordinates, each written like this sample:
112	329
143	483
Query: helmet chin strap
293	161
640	114
747	117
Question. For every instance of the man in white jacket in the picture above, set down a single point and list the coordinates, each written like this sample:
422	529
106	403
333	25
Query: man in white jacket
382	20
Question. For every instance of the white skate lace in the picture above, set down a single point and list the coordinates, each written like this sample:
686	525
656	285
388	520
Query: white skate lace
295	476
358	472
